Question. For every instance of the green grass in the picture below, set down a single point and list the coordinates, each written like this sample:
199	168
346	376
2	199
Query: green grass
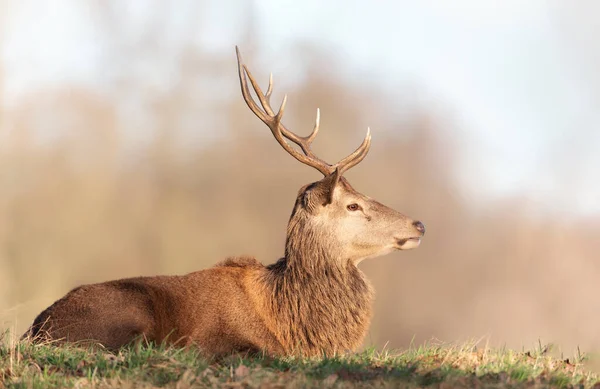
23	365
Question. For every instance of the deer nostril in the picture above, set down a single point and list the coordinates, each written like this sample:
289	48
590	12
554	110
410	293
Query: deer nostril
419	226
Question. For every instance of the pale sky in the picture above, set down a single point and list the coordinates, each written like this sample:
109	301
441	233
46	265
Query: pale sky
503	68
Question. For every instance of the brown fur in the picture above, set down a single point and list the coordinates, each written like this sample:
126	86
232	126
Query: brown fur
313	301
310	302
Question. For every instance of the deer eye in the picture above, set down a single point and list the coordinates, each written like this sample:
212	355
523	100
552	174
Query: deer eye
353	207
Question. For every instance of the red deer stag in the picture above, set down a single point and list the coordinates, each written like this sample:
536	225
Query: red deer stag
313	301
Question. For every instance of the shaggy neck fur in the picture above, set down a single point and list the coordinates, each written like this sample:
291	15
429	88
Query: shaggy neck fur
321	303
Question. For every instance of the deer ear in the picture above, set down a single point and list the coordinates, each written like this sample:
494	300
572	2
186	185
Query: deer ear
331	182
310	198
320	194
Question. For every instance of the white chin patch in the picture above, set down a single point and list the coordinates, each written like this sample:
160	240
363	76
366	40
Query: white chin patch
411	243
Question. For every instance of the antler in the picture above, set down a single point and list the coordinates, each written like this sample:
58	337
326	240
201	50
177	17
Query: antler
273	121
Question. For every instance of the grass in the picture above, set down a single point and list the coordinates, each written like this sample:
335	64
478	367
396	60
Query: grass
23	365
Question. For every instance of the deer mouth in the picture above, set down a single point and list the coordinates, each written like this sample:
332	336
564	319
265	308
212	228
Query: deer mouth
408	243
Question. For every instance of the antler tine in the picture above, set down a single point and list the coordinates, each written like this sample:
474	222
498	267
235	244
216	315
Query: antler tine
246	91
357	156
280	112
303	142
270	88
315	130
273	121
261	97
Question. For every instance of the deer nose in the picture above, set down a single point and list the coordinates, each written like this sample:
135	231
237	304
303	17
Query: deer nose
419	226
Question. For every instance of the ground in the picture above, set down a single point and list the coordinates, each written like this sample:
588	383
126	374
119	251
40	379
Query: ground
23	365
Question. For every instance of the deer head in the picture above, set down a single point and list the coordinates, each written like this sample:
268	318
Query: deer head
330	219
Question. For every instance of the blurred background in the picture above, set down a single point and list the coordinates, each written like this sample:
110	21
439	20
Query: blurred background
126	149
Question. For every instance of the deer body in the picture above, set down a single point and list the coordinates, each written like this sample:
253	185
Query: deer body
236	306
313	301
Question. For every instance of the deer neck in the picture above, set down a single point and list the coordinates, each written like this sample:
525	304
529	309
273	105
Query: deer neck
309	252
321	302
